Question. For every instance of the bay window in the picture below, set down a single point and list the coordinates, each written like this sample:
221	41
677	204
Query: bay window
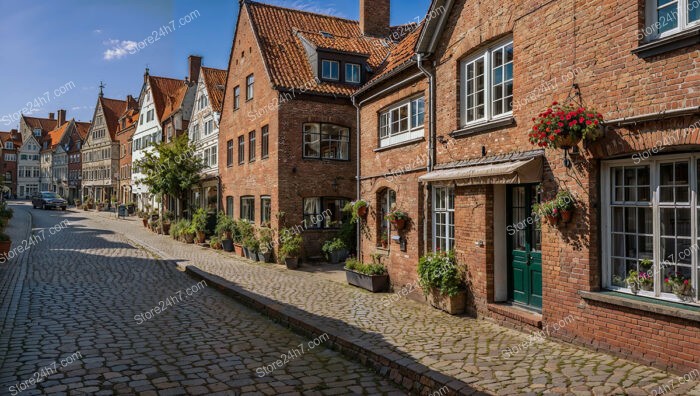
443	218
402	122
666	17
487	91
652	217
326	141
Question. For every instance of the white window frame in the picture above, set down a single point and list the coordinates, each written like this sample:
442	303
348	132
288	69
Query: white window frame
606	223
652	23
354	67
484	55
386	137
331	63
447	209
9	145
250	87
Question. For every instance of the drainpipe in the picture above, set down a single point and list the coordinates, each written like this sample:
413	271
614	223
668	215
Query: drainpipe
431	144
357	171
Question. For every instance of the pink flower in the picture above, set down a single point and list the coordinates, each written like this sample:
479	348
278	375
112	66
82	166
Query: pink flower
685	282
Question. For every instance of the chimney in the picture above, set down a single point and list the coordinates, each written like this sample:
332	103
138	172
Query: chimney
51	116
145	76
375	17
61	117
195	63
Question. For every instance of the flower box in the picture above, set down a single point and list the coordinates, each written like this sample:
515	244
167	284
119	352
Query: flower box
453	305
373	283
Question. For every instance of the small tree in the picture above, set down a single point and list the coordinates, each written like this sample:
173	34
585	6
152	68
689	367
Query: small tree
171	169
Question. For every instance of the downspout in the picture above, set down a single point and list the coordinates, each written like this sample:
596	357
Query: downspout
431	145
358	243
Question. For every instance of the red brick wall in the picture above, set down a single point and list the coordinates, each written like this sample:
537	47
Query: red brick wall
617	83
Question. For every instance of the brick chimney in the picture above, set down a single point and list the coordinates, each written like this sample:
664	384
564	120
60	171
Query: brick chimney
61	117
375	17
195	64
51	116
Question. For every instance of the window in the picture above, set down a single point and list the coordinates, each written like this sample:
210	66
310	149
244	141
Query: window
402	122
487	92
386	200
248	209
149	115
10	157
237	98
213	151
208	127
265	150
9	145
229	206
265	210
37	131
653	214
329	69
666	17
203	102
229	153
443	219
322	212
251	146
241	150
250	82
23	157
326	141
141	119
352	73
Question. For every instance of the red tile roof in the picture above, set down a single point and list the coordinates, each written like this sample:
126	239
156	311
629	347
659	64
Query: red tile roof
215	80
45	124
112	109
168	95
83	128
53	138
279	29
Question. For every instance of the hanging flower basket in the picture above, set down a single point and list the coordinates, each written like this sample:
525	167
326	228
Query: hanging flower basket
564	126
560	208
397	217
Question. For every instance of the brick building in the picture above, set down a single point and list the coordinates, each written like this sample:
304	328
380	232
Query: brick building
11	143
287	122
128	120
497	66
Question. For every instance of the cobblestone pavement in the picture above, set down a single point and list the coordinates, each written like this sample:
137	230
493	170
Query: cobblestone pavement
68	317
463	348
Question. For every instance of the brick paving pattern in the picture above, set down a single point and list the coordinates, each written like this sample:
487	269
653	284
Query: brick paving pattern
463	348
78	291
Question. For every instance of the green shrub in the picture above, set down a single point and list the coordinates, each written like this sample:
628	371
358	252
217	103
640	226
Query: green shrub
251	243
356	265
199	220
225	224
333	245
245	230
291	244
439	271
266	239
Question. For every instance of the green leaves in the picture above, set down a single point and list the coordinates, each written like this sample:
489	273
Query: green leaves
439	271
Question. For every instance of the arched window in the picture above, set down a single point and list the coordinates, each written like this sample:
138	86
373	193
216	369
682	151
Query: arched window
386	198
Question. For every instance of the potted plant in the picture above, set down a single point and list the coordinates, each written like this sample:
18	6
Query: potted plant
680	286
384	240
397	217
565	205
78	203
144	218
372	277
215	243
5	243
441	281
563	126
358	209
176	230
86	207
266	240
290	248
166	222
335	250
548	210
245	231
188	232
199	224
225	227
252	245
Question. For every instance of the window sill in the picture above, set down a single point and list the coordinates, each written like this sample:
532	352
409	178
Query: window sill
667	44
483	127
400	144
645	304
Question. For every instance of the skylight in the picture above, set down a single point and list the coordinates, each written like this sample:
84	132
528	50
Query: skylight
326	34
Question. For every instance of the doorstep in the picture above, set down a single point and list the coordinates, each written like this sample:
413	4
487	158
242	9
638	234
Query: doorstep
514	312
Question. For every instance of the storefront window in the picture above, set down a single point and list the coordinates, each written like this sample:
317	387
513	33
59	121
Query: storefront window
652	246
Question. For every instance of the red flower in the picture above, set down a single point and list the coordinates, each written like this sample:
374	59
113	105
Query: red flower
581	120
552	138
685	282
588	122
555	103
561	124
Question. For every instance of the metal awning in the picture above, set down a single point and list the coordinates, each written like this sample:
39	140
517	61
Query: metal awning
512	172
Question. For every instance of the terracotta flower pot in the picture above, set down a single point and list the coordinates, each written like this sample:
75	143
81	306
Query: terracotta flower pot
399	224
238	248
201	237
553	220
145	222
362	211
566	215
189	238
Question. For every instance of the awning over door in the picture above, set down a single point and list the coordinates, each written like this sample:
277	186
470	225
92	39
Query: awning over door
511	172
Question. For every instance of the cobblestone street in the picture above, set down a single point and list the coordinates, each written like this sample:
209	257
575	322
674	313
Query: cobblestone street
463	348
70	310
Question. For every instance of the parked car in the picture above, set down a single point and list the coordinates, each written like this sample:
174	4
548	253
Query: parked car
48	200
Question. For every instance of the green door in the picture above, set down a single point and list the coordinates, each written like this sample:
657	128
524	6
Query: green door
524	247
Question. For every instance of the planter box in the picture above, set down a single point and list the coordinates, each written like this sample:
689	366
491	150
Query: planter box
227	245
454	305
373	283
338	256
291	263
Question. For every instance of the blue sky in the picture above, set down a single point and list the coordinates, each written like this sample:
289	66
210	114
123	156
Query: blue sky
54	53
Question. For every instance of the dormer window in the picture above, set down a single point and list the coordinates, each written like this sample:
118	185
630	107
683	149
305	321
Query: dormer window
9	145
37	131
330	70
352	73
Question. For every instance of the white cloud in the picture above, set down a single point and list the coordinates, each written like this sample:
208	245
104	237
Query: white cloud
119	48
97	31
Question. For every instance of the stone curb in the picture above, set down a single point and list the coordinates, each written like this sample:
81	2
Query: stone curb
405	372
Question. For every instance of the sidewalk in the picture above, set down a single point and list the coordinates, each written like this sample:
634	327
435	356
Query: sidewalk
420	340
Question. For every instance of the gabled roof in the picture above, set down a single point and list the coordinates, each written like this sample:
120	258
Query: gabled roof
45	124
215	81
83	128
168	95
53	138
112	109
13	136
430	36
284	54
